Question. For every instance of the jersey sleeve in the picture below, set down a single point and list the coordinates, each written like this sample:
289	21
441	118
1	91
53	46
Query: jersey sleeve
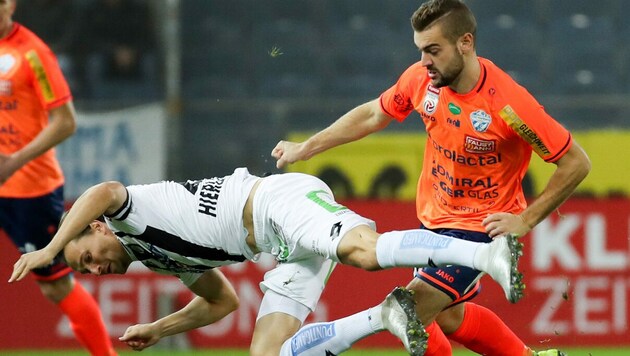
397	101
547	137
48	79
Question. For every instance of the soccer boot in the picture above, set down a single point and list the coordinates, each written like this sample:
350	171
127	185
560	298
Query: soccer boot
399	317
550	352
501	264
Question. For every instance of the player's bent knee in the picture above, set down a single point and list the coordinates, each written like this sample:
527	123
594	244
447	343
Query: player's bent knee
56	290
358	249
363	259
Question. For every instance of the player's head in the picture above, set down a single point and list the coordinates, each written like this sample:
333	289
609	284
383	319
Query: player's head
96	250
7	8
444	32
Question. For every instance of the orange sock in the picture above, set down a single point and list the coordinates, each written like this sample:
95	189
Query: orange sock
438	343
86	321
484	333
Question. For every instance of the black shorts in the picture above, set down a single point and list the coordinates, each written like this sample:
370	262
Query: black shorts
31	223
458	282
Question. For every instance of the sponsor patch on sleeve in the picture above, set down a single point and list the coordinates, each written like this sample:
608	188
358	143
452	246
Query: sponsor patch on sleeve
40	75
528	134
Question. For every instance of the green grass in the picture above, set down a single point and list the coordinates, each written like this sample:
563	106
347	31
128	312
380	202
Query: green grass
587	351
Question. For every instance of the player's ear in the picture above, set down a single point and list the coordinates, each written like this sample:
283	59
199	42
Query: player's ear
96	225
465	43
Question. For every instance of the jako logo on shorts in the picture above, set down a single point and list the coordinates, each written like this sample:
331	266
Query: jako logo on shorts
423	239
311	337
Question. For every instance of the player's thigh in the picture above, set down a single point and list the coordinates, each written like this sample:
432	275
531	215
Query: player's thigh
279	318
56	289
450	319
271	331
299	217
430	301
302	281
438	288
31	223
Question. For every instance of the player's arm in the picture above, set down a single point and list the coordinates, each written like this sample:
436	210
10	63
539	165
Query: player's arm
104	198
62	125
215	299
571	170
355	124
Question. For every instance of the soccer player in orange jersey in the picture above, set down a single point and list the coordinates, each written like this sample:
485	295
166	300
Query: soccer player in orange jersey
482	127
32	91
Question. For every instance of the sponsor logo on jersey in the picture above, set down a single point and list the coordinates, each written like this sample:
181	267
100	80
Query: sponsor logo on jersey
454	122
6	87
8	105
454	109
312	336
8	130
481	160
477	145
402	104
430	102
427	116
522	129
7	62
480	120
40	75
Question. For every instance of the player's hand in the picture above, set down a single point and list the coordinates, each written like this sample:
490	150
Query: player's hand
8	166
140	336
286	152
29	261
499	224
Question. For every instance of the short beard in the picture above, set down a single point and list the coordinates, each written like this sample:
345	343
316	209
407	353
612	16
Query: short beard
451	73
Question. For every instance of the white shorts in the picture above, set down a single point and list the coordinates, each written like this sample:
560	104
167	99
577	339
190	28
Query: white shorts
298	221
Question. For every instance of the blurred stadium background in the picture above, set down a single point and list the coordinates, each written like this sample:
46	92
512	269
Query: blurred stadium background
216	83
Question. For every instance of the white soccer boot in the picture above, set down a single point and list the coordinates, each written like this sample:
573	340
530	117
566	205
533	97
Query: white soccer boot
500	261
399	317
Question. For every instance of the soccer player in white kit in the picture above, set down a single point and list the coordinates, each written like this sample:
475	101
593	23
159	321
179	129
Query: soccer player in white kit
187	229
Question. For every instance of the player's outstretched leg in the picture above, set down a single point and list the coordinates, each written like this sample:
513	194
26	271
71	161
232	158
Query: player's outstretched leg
500	261
399	317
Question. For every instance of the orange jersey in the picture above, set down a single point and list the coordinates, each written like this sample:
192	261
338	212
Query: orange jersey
31	83
478	147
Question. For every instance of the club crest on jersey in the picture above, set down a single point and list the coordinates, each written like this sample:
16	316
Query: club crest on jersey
480	120
431	99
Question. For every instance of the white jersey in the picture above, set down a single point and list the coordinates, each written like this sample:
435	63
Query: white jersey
184	229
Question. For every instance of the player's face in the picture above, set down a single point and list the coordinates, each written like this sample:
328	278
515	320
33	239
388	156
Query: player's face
98	252
7	8
441	57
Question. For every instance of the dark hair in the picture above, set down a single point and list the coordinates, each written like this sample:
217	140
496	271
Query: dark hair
454	14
